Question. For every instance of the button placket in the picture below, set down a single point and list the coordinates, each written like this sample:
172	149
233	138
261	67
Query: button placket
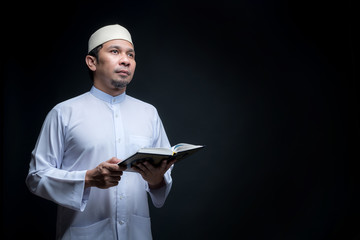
118	127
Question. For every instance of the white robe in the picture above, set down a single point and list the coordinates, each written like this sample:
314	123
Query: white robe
76	136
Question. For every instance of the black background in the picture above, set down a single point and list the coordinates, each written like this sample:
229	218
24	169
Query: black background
271	87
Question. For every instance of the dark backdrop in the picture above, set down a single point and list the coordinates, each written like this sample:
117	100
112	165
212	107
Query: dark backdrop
271	87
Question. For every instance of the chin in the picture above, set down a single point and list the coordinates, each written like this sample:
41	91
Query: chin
119	84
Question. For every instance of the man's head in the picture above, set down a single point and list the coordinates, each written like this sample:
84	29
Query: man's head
111	58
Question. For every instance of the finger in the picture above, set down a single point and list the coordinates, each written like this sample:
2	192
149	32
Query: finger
142	167
169	164
136	169
162	166
113	167
115	178
122	167
113	160
115	173
107	173
172	162
149	166
112	184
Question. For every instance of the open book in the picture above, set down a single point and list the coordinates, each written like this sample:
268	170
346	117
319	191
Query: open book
156	155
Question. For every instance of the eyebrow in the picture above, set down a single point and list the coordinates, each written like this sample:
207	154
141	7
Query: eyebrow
119	48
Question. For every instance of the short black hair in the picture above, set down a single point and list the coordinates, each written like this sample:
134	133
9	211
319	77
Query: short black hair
94	53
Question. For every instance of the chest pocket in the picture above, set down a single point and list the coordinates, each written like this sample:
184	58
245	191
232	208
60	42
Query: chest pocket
137	142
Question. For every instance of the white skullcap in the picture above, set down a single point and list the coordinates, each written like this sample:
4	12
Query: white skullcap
108	33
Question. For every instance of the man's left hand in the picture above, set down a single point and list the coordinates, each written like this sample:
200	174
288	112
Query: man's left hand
154	175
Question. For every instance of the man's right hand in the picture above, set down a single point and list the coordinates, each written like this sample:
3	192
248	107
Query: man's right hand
107	174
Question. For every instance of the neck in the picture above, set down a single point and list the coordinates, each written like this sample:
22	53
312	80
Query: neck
113	91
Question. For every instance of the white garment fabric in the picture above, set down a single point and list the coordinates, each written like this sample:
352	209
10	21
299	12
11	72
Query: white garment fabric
77	135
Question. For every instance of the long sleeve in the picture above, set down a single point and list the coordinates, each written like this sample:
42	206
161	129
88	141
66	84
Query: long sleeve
46	178
158	196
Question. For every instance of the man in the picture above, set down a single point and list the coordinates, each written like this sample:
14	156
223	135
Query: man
74	162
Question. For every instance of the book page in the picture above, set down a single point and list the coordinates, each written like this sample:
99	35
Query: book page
184	147
162	151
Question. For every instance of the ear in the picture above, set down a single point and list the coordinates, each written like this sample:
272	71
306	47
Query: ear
90	62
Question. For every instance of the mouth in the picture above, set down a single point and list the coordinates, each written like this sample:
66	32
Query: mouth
123	72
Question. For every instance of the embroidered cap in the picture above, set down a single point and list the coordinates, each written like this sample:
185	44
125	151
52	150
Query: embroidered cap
108	33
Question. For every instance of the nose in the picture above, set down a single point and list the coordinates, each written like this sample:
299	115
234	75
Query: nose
124	60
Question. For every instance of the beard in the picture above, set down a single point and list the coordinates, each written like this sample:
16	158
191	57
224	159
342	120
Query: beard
120	83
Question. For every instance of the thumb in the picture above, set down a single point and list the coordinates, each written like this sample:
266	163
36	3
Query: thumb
113	160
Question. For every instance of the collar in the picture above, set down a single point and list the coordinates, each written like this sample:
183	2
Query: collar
106	97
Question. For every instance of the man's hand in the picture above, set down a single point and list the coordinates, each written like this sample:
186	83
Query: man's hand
153	175
107	174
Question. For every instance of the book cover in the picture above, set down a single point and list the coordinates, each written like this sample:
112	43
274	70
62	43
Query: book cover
156	155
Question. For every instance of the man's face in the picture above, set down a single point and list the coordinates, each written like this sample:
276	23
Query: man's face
116	66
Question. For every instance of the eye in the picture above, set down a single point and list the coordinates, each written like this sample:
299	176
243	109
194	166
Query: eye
131	55
114	51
